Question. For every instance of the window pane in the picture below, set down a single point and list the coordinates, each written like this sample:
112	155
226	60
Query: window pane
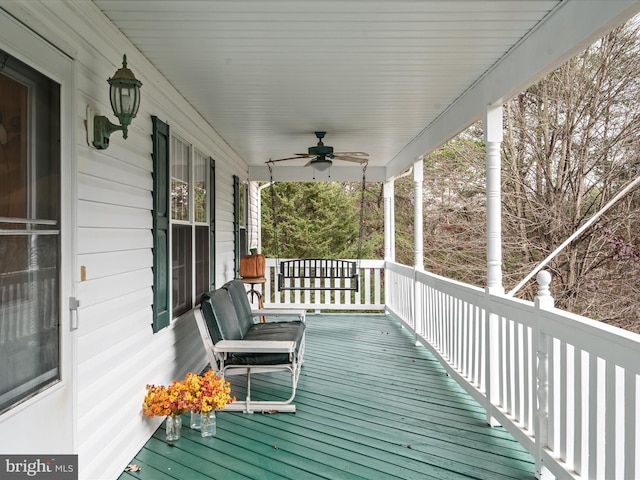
29	308
179	200
181	268
244	242
202	261
244	207
29	232
200	169
179	180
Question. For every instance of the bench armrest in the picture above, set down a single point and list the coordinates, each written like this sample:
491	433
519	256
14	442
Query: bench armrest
274	312
254	346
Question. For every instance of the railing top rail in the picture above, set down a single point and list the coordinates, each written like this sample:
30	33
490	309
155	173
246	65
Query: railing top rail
600	339
364	263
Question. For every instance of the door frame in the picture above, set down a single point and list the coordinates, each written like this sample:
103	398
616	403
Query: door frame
56	406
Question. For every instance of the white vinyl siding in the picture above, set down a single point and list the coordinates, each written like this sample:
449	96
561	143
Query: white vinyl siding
117	352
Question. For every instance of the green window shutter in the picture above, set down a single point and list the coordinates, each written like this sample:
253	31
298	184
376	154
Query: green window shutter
212	223
161	145
236	224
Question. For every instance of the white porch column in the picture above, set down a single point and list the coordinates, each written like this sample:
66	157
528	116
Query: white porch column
389	221
493	140
418	240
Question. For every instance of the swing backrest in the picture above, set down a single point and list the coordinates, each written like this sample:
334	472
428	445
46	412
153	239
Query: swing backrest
318	274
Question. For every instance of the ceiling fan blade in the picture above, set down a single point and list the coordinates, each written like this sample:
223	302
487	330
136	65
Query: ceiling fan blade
298	157
353	154
349	158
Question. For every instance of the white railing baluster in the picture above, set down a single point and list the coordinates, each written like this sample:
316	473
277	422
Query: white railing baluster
593	418
508	366
526	382
552	405
630	425
518	374
563	399
577	410
610	421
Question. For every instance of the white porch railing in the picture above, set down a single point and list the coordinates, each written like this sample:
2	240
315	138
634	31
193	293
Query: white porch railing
368	297
565	386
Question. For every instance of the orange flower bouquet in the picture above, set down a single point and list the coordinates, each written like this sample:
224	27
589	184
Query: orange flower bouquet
200	394
172	402
208	393
162	401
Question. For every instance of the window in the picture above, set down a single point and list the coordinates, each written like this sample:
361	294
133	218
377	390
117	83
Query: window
241	216
184	211
189	226
29	232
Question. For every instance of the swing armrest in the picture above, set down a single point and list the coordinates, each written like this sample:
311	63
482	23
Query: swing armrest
275	312
254	346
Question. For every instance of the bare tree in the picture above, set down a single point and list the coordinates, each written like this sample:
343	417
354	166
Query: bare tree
571	144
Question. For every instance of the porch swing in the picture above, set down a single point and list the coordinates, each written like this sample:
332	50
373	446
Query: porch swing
318	273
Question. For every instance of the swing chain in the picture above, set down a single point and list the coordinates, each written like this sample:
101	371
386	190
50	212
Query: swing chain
364	169
273	212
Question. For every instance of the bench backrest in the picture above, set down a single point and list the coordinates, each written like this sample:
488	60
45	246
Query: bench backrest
238	293
220	316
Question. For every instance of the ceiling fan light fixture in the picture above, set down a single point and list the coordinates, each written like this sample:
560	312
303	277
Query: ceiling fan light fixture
321	164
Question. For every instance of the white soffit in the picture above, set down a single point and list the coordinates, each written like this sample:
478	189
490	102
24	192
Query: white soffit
391	78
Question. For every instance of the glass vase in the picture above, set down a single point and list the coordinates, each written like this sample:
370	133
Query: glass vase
208	424
173	427
196	420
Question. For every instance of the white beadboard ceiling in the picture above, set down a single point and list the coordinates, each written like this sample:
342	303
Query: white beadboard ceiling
393	78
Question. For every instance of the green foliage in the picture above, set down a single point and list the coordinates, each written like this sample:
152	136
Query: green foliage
312	220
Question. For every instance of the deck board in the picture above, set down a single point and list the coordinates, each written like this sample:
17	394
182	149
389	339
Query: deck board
370	405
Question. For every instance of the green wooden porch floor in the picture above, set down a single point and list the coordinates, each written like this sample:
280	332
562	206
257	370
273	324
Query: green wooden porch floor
370	405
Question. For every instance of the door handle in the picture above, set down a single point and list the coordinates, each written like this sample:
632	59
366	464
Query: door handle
74	303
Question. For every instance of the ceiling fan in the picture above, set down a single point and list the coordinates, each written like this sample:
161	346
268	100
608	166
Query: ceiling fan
321	155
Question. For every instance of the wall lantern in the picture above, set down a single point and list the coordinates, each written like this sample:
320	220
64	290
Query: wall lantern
124	93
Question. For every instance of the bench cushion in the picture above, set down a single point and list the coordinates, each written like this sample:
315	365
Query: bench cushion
220	315
238	294
288	331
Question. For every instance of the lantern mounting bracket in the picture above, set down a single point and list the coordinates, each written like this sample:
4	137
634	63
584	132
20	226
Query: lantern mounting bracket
102	129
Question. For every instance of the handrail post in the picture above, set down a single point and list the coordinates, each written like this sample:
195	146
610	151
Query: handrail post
543	301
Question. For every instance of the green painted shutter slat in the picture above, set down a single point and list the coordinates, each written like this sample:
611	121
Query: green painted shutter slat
212	223
161	260
236	224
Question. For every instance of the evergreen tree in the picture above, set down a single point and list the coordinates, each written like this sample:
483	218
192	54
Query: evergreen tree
312	220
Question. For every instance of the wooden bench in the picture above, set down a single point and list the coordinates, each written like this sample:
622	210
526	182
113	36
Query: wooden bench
236	344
